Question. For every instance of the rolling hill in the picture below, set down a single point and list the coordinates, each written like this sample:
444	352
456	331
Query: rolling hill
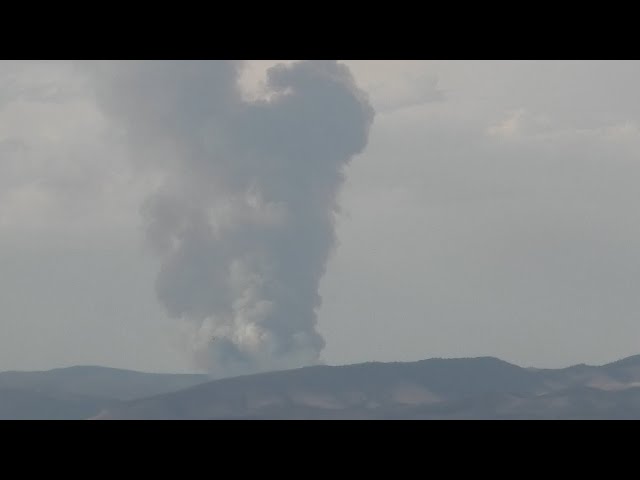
473	388
80	392
464	388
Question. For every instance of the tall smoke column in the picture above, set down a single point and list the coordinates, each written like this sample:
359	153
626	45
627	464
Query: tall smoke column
244	219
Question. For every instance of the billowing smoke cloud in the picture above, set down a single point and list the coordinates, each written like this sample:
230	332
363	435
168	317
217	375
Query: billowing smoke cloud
244	217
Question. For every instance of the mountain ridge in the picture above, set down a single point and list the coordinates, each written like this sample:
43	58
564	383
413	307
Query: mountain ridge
481	387
436	388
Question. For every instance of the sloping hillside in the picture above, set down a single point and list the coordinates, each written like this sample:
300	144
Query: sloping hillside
475	388
369	390
80	392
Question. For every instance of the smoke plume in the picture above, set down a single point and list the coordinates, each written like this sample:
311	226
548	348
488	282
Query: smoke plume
243	220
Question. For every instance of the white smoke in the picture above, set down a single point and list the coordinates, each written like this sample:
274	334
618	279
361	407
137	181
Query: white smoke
244	219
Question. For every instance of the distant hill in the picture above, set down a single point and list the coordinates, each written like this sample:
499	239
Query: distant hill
80	392
363	390
473	388
24	404
464	388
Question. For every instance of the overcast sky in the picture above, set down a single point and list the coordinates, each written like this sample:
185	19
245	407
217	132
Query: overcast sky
493	212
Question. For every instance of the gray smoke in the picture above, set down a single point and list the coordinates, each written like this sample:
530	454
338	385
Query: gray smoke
244	218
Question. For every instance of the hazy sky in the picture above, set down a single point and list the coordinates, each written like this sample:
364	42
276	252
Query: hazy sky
493	212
